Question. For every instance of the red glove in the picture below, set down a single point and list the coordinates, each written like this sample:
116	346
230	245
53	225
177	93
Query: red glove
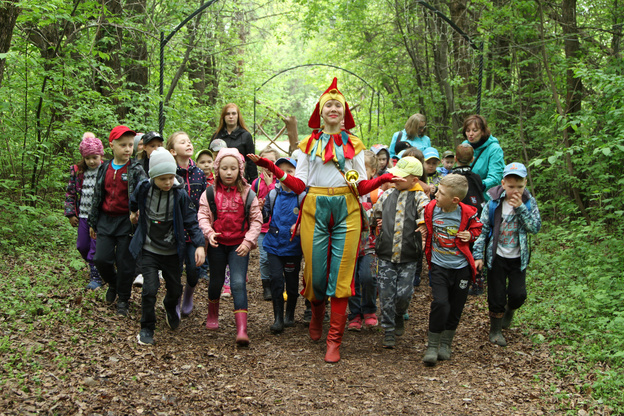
296	185
368	185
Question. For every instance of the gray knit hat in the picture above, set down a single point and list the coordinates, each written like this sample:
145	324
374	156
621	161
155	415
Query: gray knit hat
161	162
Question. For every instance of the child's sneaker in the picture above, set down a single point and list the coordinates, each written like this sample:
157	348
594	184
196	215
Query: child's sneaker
122	308
111	294
307	315
172	318
226	293
355	324
399	325
93	284
389	340
146	337
138	281
370	319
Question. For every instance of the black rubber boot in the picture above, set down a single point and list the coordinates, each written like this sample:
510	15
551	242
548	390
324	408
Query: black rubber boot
496	333
508	317
291	305
278	313
266	289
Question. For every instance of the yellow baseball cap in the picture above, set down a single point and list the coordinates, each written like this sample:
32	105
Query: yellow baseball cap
406	166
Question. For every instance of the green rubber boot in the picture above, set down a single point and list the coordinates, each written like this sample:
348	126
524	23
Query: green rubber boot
508	317
446	339
496	333
431	354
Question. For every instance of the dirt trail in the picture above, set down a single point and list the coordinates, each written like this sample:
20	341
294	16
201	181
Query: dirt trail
193	371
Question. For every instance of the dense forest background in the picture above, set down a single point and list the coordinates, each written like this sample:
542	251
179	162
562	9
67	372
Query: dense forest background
552	79
552	92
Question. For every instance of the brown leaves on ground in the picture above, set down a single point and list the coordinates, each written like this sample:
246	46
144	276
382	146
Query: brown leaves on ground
96	367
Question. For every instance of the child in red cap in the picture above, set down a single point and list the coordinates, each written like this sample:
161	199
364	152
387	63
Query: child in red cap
109	219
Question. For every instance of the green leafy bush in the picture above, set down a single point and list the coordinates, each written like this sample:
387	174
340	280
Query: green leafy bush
576	287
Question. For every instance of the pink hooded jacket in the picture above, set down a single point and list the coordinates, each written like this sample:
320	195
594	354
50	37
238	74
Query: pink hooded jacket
230	209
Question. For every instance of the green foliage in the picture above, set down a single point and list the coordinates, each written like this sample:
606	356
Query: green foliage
576	289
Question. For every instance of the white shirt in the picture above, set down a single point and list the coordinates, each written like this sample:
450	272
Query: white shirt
317	173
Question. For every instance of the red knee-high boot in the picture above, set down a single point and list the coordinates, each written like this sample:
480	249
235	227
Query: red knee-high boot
241	327
316	324
337	324
212	322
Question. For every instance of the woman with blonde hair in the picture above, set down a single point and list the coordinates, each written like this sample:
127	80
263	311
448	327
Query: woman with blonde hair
413	135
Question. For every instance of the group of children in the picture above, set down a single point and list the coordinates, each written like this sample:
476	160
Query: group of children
361	224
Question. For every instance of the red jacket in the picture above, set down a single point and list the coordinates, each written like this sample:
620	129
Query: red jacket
230	217
469	222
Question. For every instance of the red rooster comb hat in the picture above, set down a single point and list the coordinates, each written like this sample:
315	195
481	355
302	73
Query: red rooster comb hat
331	93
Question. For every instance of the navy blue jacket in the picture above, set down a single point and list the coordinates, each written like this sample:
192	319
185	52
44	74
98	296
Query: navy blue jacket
283	208
184	218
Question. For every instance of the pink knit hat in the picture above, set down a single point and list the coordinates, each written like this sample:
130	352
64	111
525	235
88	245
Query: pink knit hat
231	151
91	146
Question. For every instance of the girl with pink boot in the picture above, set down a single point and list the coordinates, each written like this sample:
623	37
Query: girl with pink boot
230	218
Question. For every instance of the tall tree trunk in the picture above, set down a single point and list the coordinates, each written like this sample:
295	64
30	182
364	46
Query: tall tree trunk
8	16
618	18
108	40
461	49
136	58
560	109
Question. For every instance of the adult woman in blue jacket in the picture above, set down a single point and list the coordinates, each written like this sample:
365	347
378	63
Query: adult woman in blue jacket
413	135
489	161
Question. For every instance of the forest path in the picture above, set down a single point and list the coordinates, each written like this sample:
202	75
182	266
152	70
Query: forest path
96	367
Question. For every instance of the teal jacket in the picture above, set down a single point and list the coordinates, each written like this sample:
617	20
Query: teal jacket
419	142
489	165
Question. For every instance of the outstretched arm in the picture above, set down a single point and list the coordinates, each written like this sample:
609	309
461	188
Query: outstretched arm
368	185
296	185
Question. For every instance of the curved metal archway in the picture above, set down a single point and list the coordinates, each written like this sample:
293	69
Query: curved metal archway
164	40
375	92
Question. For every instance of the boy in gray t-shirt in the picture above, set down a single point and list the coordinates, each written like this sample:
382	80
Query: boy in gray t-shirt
451	227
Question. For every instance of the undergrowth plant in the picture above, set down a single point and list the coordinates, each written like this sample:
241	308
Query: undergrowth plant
576	286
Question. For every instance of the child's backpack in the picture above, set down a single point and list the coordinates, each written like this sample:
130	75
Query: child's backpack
270	199
212	203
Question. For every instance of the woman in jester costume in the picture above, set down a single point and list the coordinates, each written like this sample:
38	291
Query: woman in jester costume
330	218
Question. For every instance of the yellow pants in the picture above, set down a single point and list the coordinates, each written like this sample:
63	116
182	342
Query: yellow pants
331	224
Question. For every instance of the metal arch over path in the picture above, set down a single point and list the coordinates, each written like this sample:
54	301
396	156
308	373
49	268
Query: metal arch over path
375	92
164	40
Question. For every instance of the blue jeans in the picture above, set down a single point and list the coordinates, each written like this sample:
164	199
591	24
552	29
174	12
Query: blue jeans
220	257
364	300
265	270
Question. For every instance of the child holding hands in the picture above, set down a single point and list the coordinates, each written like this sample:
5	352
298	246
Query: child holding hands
194	180
166	216
231	225
451	227
262	185
399	245
284	254
109	219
